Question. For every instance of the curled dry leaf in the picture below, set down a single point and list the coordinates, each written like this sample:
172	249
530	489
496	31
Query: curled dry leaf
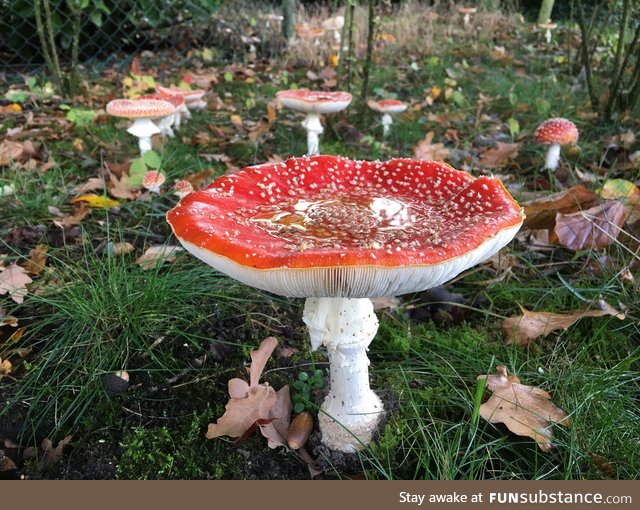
14	280
523	329
430	151
157	255
255	404
628	193
525	410
5	367
52	455
37	259
593	228
541	212
499	156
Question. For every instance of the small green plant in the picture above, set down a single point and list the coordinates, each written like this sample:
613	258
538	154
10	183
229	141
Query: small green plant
150	160
79	116
303	386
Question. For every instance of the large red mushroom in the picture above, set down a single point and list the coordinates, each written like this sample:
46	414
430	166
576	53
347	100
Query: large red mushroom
339	232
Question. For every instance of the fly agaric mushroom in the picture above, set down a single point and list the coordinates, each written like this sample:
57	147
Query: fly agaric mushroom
165	123
313	104
386	107
143	112
339	232
182	188
153	180
547	27
467	12
192	99
334	25
555	132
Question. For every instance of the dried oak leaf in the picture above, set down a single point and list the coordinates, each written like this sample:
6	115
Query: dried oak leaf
14	280
255	404
593	228
628	193
523	329
430	151
541	212
525	410
37	259
499	156
52	455
157	255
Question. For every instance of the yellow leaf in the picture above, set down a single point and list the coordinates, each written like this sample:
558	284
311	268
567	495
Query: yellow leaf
335	59
98	201
127	82
435	91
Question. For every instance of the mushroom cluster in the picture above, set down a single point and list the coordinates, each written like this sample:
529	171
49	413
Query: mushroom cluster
143	112
339	232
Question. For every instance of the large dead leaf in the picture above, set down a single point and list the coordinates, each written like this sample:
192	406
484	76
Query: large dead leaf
430	151
523	329
157	255
14	280
627	193
255	404
541	212
242	413
525	410
593	228
499	156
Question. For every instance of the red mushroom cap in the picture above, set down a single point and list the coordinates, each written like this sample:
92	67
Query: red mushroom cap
175	100
311	101
330	226
556	131
140	108
189	95
387	106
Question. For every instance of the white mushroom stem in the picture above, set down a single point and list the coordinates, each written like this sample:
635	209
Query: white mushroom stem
548	36
553	156
165	124
466	19
144	129
314	129
351	411
386	123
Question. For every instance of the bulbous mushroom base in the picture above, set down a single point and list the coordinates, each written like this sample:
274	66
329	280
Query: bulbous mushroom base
351	411
349	432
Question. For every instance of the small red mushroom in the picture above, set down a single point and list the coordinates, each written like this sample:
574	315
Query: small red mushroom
339	232
313	103
143	112
165	123
386	107
555	132
192	98
153	180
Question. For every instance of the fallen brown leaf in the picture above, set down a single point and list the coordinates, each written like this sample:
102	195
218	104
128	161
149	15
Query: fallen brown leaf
525	410
541	212
500	156
430	151
37	259
523	329
14	280
593	228
52	455
157	255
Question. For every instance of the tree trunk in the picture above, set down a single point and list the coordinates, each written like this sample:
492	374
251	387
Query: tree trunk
288	19
544	15
367	64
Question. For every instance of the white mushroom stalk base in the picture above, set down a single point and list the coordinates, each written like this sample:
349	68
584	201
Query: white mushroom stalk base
314	129
553	157
386	124
351	411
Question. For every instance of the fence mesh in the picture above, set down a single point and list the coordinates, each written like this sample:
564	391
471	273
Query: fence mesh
107	27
